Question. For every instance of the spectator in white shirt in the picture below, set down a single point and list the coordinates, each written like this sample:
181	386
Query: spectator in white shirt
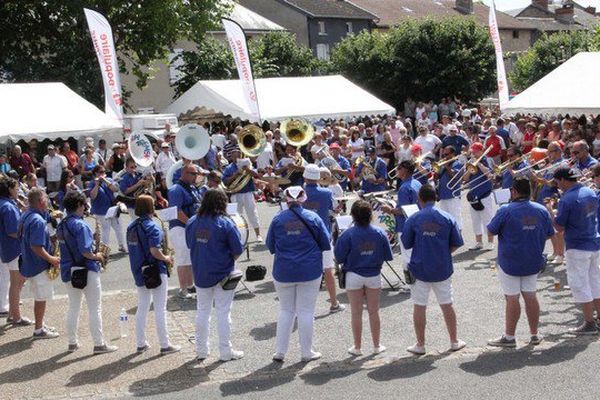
165	159
429	143
218	139
54	164
265	158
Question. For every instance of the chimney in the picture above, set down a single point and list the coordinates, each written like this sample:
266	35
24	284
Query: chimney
465	6
566	13
540	3
591	10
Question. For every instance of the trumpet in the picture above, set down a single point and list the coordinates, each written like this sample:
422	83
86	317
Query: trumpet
473	167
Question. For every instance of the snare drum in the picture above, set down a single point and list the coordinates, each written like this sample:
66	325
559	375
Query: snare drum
242	225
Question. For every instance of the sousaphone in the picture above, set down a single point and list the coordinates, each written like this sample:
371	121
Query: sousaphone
297	131
192	142
140	149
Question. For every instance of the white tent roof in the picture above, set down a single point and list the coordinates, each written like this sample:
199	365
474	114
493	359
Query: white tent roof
48	110
572	88
312	98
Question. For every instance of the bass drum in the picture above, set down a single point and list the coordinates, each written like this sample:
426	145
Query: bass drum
387	222
242	225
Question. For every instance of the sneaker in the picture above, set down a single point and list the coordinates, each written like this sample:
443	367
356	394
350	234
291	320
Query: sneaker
278	357
551	258
259	239
184	294
536	339
337	308
50	328
170	349
141	349
355	352
491	246
22	322
314	355
191	289
587	328
233	355
477	246
122	249
201	357
45	334
416	349
502	341
73	347
458	345
379	349
105	349
558	260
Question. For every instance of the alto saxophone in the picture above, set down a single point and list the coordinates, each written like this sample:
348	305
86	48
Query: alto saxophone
54	271
99	246
166	246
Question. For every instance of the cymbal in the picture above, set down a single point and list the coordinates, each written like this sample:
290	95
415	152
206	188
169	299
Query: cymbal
276	180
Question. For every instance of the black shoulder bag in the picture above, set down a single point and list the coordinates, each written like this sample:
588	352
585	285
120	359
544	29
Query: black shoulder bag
79	271
151	270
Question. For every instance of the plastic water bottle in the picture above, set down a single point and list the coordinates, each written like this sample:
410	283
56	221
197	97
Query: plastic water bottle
123	317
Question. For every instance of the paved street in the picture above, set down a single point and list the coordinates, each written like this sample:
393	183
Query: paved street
557	369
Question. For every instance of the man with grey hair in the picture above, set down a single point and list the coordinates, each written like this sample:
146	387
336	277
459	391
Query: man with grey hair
581	154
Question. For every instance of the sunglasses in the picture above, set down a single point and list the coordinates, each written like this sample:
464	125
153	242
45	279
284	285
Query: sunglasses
575	152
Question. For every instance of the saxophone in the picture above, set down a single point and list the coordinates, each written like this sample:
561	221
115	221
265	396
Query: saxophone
166	246
99	246
53	272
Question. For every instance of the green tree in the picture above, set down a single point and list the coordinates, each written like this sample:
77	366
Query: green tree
549	52
423	59
50	41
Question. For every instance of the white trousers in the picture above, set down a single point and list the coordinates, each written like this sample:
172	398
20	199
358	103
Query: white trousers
158	296
296	299
106	224
404	254
4	285
452	207
223	300
245	202
93	298
480	219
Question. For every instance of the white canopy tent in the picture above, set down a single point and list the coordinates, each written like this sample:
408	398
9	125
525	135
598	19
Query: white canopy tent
49	111
572	88
312	98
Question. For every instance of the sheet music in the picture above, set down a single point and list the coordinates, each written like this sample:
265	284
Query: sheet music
502	196
167	214
343	222
410	209
112	212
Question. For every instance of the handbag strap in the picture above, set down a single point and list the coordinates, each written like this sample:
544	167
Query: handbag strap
306	225
137	233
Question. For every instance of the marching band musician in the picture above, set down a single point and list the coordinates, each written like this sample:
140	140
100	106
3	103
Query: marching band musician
37	258
407	194
11	280
362	249
215	244
320	200
345	168
372	182
101	191
581	153
183	195
130	182
144	239
245	196
287	164
433	236
422	164
449	199
576	216
298	238
513	153
479	196
76	241
522	227
546	189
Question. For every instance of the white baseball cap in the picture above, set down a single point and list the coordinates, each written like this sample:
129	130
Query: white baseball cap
312	171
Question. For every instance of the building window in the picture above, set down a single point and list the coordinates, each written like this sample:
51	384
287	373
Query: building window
175	62
515	34
323	51
349	27
322	30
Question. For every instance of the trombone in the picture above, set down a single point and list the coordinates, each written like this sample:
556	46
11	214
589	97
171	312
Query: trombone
393	173
498	169
455	182
437	166
473	167
456	189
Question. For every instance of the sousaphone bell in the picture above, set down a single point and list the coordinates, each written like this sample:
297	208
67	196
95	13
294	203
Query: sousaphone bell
192	142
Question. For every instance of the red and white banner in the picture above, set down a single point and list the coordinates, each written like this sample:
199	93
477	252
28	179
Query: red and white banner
500	71
102	37
239	47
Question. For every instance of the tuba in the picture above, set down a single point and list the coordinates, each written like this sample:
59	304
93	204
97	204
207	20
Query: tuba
252	141
192	142
297	132
99	246
329	162
171	173
141	152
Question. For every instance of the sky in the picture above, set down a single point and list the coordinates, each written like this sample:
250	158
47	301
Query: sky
504	5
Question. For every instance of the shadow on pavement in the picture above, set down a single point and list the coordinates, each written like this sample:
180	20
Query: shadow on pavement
263	379
492	363
39	368
406	368
10	348
109	371
328	371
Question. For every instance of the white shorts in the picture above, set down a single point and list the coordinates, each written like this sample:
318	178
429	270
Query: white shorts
182	253
583	274
356	282
513	285
328	261
419	292
42	287
11	265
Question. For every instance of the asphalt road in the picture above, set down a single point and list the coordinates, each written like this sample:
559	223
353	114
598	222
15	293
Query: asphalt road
563	367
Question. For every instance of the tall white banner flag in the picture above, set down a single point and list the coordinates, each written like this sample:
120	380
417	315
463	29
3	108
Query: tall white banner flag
500	71
239	47
104	45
